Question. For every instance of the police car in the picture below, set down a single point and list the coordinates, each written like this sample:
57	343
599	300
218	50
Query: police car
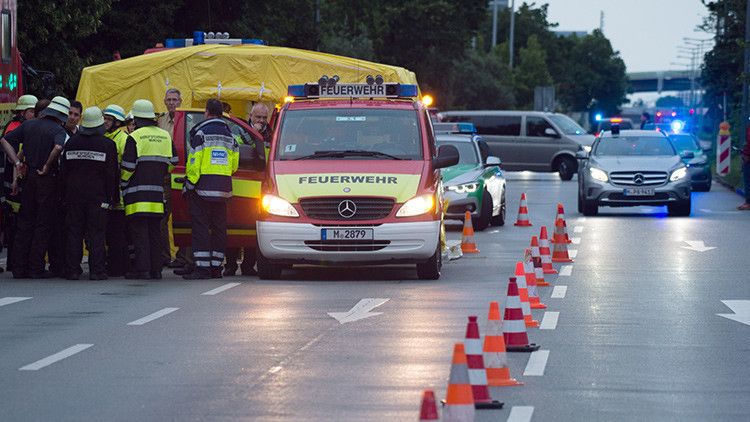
476	184
353	178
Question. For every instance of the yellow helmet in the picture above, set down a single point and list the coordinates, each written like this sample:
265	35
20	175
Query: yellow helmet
26	102
117	112
143	109
92	117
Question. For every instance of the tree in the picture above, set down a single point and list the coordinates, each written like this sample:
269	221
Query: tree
531	72
669	101
482	81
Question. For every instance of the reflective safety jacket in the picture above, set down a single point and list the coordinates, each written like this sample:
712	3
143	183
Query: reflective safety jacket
147	159
89	169
213	156
120	137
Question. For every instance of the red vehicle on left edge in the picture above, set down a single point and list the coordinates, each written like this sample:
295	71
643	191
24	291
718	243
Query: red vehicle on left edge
10	61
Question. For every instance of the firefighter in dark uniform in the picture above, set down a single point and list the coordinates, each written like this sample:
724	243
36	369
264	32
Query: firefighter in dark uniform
117	239
148	157
213	157
42	140
91	186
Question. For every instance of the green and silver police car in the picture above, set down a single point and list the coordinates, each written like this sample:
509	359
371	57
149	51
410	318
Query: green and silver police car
476	184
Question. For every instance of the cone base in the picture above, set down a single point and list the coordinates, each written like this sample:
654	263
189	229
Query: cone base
522	224
510	382
469	249
532	324
538	306
523	349
494	404
542	283
552	271
562	260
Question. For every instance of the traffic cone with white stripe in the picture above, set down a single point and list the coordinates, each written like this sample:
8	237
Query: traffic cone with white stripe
528	269
560	250
514	327
495	358
523	292
537	262
459	400
477	373
523	213
545	252
428	411
467	239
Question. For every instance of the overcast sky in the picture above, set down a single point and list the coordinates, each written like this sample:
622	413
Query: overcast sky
645	32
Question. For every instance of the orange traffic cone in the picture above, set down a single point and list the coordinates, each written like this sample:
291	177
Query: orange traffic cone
528	269
514	327
545	252
523	213
477	373
467	240
428	410
560	250
537	262
523	292
495	358
459	400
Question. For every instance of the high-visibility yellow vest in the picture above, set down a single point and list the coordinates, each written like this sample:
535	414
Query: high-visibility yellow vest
143	180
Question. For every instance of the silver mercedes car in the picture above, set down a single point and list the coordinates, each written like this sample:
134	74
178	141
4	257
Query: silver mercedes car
633	167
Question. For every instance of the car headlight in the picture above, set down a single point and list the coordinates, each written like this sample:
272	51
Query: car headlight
678	174
586	148
464	188
597	174
277	206
418	205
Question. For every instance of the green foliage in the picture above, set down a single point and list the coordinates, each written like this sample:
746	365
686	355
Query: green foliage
482	81
669	101
530	72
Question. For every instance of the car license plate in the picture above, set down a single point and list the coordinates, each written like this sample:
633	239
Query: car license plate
639	192
346	234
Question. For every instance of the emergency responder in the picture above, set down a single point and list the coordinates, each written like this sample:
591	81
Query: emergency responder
74	117
213	156
90	176
117	238
10	200
148	158
42	140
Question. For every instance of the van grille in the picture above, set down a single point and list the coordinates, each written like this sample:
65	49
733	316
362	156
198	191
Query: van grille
365	208
347	245
647	178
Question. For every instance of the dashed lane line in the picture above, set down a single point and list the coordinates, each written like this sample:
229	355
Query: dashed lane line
581	219
566	270
49	360
151	317
521	413
10	300
558	292
575	240
537	363
220	289
578	229
573	253
549	321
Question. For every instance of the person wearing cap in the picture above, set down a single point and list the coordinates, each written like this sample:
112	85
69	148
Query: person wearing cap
148	158
116	238
90	176
42	140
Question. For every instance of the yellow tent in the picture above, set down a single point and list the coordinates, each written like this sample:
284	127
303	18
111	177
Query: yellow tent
239	75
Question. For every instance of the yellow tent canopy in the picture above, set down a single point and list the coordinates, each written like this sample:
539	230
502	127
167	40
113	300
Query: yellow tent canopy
239	75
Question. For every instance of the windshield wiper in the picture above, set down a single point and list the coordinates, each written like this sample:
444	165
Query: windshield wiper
348	153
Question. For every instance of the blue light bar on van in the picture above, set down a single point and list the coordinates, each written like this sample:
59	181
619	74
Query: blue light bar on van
457	127
342	90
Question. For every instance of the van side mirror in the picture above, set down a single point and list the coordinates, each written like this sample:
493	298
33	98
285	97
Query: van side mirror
249	159
687	155
582	155
492	161
549	132
447	156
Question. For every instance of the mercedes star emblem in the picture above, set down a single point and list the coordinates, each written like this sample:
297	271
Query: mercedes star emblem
347	208
638	179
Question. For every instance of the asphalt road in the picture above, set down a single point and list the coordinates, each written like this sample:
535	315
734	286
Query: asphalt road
637	337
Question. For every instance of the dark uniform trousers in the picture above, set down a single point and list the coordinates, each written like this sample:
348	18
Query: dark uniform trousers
118	256
209	231
85	221
56	251
146	234
39	206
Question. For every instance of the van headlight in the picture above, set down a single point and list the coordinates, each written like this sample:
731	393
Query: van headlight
418	205
277	206
586	148
678	174
464	188
597	174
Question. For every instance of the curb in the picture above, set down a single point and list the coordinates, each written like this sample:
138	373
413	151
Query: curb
723	182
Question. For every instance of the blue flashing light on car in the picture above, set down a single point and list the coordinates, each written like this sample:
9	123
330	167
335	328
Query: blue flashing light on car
456	127
598	117
677	126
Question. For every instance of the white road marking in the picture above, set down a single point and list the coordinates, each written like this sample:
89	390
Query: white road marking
575	240
578	229
741	309
274	370
49	360
581	219
572	253
220	289
359	311
521	413
558	292
151	317
9	300
697	245
537	363
566	270
549	321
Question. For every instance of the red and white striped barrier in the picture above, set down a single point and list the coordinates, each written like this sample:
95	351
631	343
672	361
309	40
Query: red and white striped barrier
723	148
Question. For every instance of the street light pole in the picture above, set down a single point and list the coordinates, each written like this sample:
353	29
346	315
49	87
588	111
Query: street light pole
494	23
512	32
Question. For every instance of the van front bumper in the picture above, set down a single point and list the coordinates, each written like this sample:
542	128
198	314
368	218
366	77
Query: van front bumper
393	243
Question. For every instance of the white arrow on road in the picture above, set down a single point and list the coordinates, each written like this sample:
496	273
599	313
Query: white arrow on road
697	245
741	309
360	311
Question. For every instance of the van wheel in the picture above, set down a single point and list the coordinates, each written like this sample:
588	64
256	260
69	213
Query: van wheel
485	213
430	270
499	219
266	269
566	167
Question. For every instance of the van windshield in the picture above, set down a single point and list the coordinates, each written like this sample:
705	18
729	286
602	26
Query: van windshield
349	134
567	125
